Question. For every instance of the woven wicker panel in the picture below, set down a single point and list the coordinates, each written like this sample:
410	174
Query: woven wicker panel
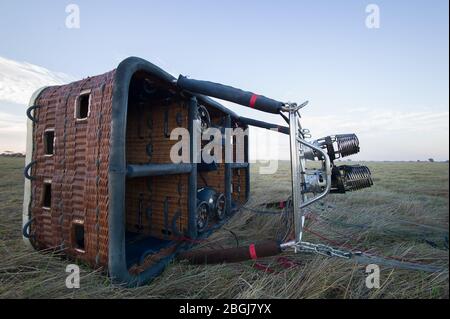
78	170
239	185
239	175
214	179
145	202
146	197
146	127
43	171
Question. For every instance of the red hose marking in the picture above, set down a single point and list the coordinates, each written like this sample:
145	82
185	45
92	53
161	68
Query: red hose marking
253	100
252	251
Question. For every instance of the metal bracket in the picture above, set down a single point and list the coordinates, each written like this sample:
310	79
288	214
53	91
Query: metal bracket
27	168
31	117
327	168
26	228
298	169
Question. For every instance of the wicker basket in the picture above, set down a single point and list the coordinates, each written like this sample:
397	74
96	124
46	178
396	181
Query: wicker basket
80	196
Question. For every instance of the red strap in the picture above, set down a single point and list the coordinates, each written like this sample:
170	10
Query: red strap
252	251
286	262
253	100
263	268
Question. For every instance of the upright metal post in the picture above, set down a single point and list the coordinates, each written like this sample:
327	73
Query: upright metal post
247	170
296	172
228	160
192	198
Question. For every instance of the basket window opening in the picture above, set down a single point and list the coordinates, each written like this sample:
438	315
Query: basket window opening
78	236
49	142
82	106
47	195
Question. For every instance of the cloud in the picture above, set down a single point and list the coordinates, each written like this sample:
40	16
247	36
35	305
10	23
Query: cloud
385	133
12	132
388	134
18	80
11	123
383	120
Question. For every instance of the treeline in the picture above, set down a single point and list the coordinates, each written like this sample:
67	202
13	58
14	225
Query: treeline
12	154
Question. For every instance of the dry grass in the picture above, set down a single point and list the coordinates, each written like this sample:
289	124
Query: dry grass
387	219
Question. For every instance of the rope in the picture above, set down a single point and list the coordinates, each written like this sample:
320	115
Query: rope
422	237
363	257
390	261
236	238
282	261
396	220
268	212
285	204
367	259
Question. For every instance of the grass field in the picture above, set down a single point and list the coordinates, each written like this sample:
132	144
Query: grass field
405	215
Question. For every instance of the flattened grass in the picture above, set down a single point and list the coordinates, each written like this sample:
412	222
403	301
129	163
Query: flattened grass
404	215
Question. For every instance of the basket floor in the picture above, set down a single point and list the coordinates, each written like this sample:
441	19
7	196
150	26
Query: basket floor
137	244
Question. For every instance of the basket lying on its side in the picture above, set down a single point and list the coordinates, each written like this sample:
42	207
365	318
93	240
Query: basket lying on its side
100	185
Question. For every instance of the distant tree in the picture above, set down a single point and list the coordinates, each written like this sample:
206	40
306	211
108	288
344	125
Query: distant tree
431	160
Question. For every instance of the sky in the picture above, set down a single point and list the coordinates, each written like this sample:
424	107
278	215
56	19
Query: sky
389	85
